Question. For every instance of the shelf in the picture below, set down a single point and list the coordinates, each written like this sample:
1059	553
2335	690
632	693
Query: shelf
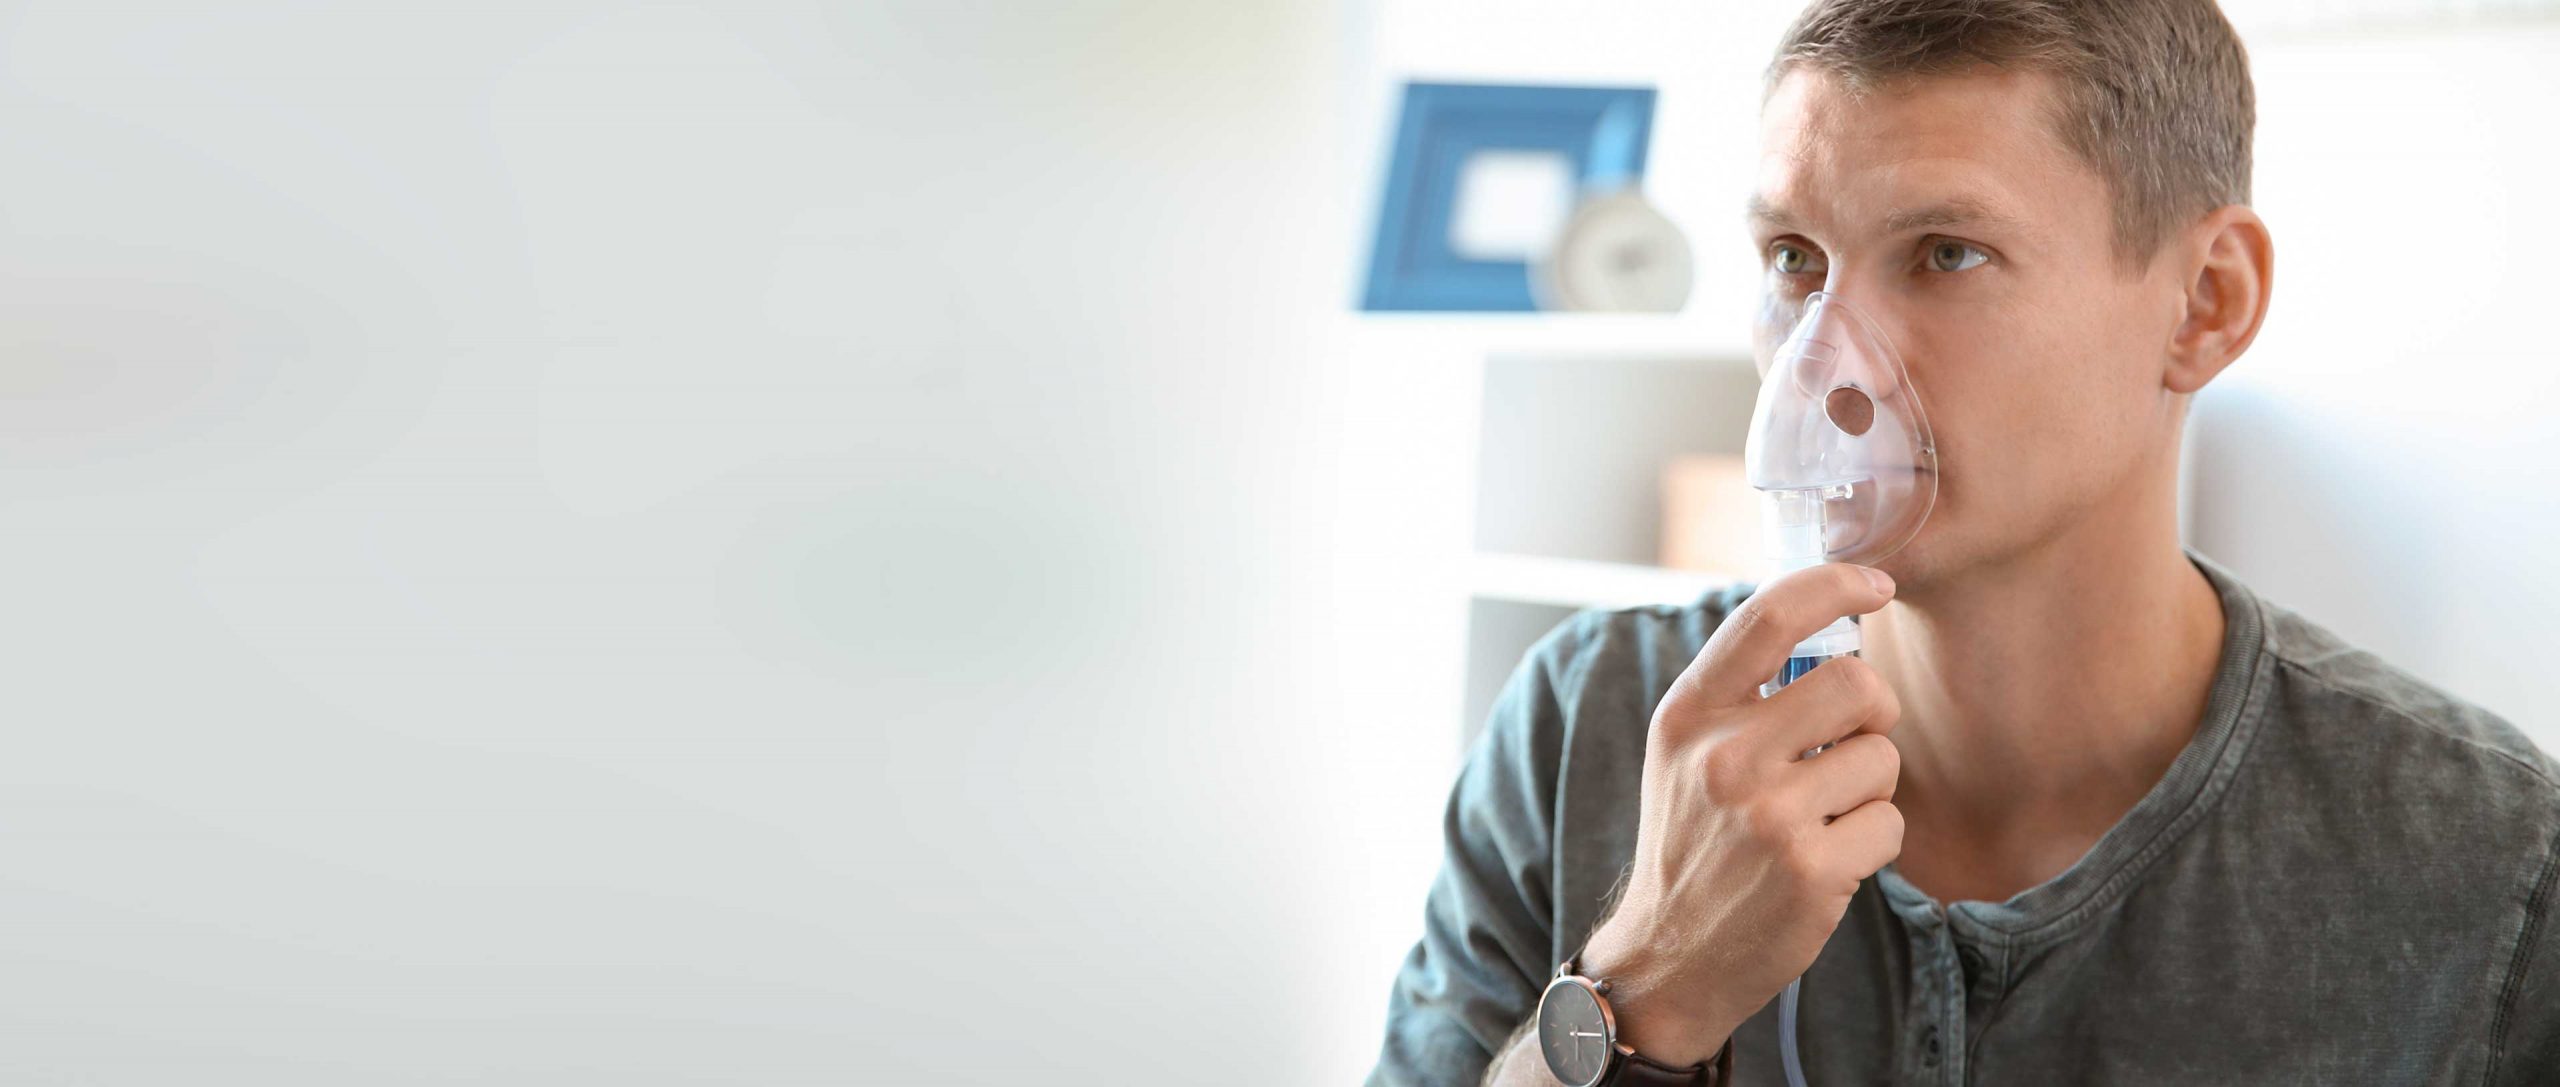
1582	583
1686	336
1570	458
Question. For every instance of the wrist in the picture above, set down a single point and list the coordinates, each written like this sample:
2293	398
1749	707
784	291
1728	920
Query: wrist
1667	1020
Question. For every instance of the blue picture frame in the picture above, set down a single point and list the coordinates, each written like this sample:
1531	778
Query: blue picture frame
1604	131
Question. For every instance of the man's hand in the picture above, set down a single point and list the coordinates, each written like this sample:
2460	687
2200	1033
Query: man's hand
1747	855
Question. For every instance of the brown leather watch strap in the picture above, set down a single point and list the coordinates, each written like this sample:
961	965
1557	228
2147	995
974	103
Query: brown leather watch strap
1635	1071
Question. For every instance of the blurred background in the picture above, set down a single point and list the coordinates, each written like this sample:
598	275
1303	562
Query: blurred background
878	542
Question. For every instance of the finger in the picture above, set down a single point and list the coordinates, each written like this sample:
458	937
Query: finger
1864	767
1867	838
1749	645
1839	698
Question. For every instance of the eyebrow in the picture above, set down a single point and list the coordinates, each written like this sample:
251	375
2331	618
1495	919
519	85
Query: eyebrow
1952	212
1958	211
1759	210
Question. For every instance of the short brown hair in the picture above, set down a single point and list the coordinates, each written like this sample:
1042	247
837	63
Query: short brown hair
2154	94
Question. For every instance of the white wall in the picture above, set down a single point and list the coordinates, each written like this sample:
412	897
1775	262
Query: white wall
2385	459
678	544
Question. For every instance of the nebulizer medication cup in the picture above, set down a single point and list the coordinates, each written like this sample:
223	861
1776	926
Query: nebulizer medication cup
1847	469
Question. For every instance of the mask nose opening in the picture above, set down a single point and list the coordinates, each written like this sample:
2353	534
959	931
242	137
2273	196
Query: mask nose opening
1850	409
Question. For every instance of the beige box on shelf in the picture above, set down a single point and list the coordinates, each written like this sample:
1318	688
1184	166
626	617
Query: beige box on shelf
1710	516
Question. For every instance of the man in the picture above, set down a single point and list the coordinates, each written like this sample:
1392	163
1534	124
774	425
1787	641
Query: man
2102	814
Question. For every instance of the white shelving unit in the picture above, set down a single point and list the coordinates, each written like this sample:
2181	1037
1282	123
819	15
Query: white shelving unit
1575	415
1699	333
1582	583
1572	439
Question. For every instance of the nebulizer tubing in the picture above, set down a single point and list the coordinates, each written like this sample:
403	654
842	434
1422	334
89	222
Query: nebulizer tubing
1848	469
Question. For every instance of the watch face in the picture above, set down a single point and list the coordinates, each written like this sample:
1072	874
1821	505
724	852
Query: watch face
1574	1033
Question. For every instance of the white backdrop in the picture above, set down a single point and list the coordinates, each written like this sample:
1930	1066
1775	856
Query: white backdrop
669	544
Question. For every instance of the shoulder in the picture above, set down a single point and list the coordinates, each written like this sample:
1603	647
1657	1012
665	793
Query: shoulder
2373	706
2397	769
1581	699
1600	657
1602	672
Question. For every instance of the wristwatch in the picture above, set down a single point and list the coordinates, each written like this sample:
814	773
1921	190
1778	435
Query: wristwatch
1578	1033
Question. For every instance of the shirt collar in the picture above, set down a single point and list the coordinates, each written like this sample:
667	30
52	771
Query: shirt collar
2182	797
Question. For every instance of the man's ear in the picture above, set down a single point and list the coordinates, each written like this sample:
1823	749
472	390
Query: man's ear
2226	297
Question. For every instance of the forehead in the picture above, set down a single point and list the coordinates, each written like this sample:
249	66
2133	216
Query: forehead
1833	158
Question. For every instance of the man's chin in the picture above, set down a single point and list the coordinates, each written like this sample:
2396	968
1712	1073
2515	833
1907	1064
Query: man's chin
1918	565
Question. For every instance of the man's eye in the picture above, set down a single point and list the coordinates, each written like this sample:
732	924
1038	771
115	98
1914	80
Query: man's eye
1790	260
1955	256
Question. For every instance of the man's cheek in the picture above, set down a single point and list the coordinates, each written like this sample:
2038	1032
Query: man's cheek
1989	447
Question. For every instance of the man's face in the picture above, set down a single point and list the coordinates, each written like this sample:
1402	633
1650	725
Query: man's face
1950	211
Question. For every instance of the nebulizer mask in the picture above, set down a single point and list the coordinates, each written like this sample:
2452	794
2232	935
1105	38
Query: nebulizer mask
1847	469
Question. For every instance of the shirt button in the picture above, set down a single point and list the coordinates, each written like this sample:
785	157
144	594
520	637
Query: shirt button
1929	1047
1976	971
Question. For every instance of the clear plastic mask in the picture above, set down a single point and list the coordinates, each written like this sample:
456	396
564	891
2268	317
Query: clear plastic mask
1838	442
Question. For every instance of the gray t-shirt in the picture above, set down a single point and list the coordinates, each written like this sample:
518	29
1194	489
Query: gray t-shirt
2345	877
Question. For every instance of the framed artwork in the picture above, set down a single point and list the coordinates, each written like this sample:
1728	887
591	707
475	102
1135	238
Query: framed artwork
1481	179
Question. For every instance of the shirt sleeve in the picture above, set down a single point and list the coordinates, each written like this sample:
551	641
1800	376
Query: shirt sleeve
1488	922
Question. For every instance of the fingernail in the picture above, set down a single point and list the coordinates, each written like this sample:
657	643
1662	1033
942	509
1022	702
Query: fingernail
1877	577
